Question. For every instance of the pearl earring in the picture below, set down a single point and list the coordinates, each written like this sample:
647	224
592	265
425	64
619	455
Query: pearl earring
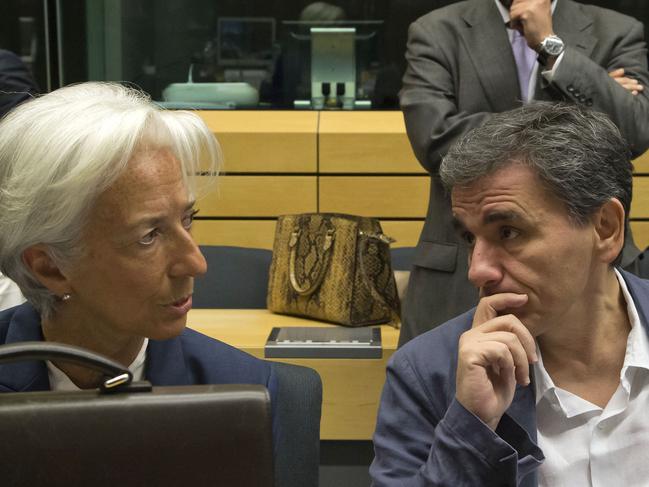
66	296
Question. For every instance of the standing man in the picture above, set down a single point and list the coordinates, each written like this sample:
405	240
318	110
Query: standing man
546	382
475	58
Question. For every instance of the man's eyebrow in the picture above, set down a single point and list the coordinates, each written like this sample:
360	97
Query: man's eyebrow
500	216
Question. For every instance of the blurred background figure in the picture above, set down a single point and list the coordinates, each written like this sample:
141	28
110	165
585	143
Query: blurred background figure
16	86
323	12
16	82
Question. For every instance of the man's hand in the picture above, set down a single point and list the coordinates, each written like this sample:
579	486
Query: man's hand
493	356
627	83
533	19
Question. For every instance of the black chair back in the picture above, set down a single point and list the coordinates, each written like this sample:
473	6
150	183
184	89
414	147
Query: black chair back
297	457
236	278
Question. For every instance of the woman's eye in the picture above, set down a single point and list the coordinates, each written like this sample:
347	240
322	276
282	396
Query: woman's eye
149	238
509	233
189	219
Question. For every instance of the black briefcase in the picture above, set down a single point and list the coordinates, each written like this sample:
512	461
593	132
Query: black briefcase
132	434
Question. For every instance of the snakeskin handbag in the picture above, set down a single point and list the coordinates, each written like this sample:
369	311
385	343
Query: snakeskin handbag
333	267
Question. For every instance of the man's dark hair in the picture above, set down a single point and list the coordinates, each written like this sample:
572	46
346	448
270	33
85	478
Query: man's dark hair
578	153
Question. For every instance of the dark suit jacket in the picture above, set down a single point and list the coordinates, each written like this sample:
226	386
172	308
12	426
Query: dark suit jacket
16	82
461	70
424	437
190	358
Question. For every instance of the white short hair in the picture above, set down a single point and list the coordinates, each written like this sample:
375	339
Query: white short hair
60	151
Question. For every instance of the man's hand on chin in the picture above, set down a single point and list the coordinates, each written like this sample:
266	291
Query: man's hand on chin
493	357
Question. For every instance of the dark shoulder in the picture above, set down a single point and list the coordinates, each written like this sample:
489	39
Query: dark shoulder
446	13
605	15
217	362
5	320
19	324
639	289
8	57
448	21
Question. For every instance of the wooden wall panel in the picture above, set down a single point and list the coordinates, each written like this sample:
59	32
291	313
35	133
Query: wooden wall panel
641	164
260	233
640	202
365	142
237	233
268	143
260	196
379	196
640	234
406	233
265	141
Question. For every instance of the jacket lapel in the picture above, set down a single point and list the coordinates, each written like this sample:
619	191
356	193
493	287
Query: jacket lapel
639	290
485	39
166	364
574	26
25	326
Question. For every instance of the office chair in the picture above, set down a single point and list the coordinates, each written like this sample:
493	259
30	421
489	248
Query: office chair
297	456
236	278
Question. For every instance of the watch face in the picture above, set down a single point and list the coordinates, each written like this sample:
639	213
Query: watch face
553	46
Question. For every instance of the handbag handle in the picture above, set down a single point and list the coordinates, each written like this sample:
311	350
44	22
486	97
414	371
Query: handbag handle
305	290
117	374
365	238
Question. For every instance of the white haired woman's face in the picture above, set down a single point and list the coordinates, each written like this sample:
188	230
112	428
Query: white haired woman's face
136	278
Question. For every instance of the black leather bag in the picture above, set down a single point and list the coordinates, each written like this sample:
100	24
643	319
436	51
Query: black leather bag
132	434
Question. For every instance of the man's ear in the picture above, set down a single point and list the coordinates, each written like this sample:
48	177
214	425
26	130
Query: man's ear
44	269
609	225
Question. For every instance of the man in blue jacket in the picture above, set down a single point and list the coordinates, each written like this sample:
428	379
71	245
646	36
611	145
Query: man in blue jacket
546	381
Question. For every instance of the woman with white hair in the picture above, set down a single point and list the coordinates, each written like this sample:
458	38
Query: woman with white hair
97	198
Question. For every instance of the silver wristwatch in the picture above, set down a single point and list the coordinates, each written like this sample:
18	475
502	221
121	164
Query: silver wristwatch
551	46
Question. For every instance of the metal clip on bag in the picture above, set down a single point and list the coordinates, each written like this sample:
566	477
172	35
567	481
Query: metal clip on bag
333	267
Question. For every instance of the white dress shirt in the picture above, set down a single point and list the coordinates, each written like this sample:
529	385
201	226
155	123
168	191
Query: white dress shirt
61	382
585	445
548	74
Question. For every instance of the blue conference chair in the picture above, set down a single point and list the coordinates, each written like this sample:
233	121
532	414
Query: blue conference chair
236	278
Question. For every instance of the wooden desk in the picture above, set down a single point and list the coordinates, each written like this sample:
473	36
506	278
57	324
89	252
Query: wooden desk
351	387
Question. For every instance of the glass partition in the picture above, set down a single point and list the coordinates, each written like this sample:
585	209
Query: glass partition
255	52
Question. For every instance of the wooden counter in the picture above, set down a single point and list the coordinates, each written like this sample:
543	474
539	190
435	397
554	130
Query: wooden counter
351	387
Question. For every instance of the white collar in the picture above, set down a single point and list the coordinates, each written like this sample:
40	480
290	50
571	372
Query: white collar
636	356
61	382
